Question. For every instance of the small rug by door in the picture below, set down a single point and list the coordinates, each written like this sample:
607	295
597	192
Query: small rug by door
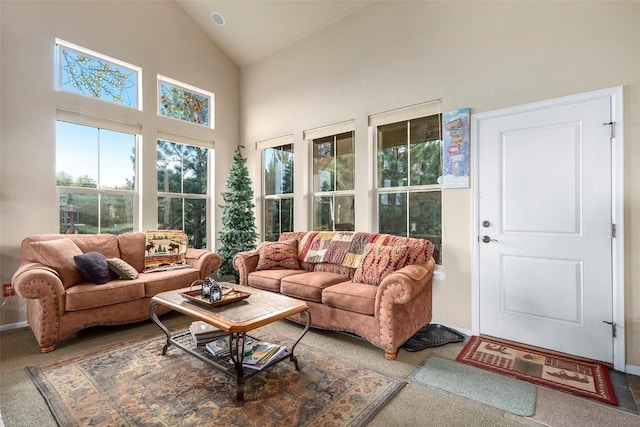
582	377
133	385
508	394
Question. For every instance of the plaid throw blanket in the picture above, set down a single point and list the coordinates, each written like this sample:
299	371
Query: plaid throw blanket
335	247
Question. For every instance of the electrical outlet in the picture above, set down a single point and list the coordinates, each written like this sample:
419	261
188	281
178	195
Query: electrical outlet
7	290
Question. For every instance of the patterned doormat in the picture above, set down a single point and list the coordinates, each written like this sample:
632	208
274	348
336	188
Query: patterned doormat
133	385
582	377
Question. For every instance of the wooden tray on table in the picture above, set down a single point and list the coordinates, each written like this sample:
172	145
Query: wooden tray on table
229	295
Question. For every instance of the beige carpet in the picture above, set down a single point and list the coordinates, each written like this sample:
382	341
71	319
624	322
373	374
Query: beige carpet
414	405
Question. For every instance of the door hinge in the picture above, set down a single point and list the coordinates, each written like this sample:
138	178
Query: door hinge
613	231
612	129
613	327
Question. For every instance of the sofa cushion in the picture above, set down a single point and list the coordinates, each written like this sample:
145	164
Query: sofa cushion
89	295
58	254
378	261
309	286
165	248
281	255
334	268
122	269
357	297
161	281
132	249
94	267
269	280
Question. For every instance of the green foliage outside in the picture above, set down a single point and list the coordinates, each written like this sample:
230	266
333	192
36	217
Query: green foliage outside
238	218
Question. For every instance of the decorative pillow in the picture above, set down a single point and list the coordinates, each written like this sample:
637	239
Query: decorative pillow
94	268
122	269
279	256
378	261
165	248
58	254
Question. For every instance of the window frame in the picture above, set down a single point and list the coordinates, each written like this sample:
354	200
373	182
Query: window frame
102	124
59	63
406	115
332	131
193	142
189	88
262	146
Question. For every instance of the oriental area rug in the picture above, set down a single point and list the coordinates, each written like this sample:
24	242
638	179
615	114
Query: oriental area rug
582	377
134	385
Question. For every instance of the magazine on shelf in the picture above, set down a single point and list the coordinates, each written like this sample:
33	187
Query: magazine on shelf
263	354
218	347
202	332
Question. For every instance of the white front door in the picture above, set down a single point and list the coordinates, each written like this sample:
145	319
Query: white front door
545	211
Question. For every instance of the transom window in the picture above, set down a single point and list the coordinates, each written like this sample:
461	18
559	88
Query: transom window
409	169
183	183
333	195
91	74
181	101
277	192
95	179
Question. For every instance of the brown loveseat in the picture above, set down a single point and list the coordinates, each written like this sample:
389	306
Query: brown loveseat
377	286
60	300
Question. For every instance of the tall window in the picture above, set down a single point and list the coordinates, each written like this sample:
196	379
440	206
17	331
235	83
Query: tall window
181	101
409	169
183	181
95	179
88	73
333	195
278	190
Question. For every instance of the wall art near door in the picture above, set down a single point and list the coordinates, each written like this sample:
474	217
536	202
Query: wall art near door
455	147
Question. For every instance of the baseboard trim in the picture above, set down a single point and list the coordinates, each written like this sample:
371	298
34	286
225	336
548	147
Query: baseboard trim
632	369
12	326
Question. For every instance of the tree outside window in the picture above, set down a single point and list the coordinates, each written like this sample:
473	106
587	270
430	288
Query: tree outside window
182	190
333	182
408	176
278	191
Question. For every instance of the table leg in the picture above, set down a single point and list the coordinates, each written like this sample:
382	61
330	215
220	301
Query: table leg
304	314
236	352
154	317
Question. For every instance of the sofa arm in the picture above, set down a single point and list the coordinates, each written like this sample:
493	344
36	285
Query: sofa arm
245	263
37	281
203	260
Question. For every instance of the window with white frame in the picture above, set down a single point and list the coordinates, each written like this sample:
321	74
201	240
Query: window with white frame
181	101
183	189
277	193
94	75
95	178
409	169
333	181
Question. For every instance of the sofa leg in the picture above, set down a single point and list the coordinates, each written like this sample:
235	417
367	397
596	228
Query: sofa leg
47	348
391	355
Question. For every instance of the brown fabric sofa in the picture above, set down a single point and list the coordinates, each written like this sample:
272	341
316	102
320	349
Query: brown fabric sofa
60	301
352	281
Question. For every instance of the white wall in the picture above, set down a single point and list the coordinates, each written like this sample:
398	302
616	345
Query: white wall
482	55
155	35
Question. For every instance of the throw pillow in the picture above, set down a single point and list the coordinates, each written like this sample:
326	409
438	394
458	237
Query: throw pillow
94	268
378	261
122	269
58	254
279	256
165	248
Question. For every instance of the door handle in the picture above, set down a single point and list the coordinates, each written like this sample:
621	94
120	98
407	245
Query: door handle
487	239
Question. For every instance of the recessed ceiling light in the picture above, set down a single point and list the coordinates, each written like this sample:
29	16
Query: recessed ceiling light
218	19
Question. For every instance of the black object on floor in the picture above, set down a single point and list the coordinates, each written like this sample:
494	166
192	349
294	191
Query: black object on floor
432	335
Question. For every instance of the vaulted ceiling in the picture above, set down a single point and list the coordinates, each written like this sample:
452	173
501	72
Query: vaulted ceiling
255	29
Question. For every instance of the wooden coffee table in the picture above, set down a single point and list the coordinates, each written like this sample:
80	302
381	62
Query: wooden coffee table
236	318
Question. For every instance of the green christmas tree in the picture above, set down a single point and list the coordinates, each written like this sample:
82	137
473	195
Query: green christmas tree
238	218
